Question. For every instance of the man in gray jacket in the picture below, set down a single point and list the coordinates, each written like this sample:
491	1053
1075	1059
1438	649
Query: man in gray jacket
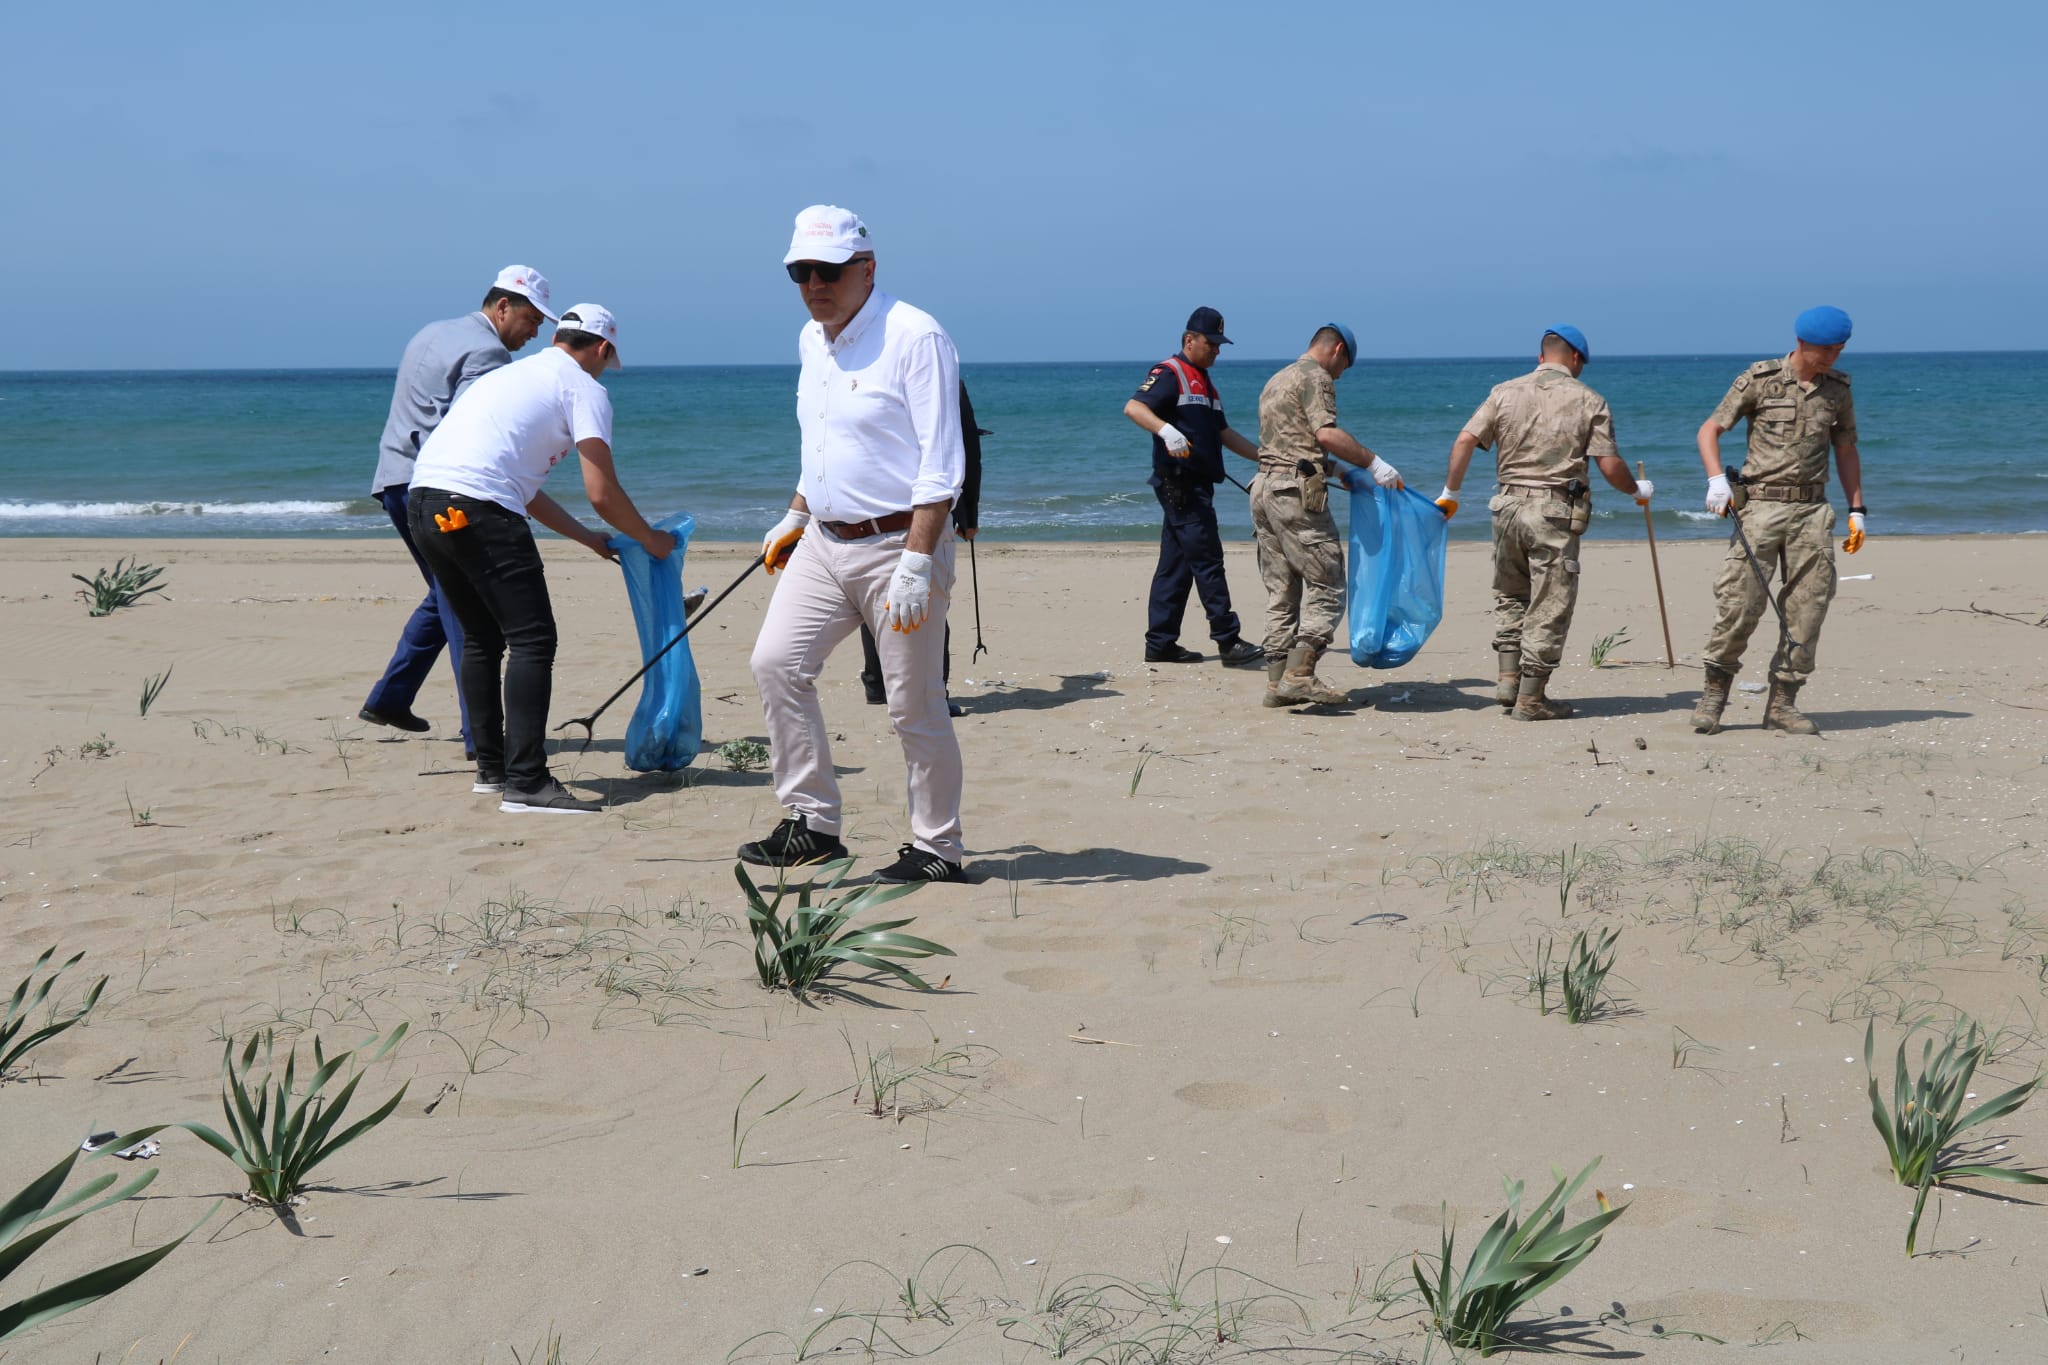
440	362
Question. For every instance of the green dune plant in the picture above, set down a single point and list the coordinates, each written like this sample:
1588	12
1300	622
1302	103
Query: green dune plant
37	1213
275	1141
1926	1116
743	755
127	583
796	950
15	1040
1515	1261
153	687
1605	646
1584	982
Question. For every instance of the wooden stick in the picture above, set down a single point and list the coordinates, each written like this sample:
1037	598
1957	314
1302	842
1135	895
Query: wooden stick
1651	527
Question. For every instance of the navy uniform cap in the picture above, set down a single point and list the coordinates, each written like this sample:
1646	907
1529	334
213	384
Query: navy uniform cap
1572	337
1822	326
1209	323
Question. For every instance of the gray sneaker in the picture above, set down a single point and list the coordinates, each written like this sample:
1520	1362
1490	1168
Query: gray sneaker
551	799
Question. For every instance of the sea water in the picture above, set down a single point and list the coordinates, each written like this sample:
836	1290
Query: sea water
1952	444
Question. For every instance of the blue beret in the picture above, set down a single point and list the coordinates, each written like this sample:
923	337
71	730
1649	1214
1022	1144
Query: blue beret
1350	341
1822	326
1572	337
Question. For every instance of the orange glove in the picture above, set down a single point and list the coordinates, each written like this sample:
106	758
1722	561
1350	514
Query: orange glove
1447	501
780	543
1855	540
454	521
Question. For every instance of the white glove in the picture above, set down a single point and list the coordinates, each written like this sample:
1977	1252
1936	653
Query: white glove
1176	444
1385	475
780	543
1644	488
910	593
1718	495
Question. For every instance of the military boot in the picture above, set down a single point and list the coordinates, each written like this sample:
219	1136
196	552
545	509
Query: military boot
1299	685
1706	712
1781	714
1276	667
1510	685
1531	704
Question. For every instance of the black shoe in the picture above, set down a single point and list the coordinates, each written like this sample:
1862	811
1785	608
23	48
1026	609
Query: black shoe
488	784
913	864
955	709
793	844
550	798
877	694
1242	653
397	720
1172	654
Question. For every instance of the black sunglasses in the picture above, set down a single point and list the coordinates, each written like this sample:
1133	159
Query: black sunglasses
801	271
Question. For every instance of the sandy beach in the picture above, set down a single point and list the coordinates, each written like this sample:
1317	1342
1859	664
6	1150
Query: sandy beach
1240	1004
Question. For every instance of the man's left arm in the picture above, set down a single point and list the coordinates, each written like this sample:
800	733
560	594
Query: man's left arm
1849	464
931	394
1236	444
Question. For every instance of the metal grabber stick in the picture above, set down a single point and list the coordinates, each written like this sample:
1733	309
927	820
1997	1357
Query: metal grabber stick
974	573
587	722
1763	581
1650	527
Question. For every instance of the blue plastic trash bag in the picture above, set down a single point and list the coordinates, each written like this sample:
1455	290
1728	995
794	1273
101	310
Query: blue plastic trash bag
668	724
1395	588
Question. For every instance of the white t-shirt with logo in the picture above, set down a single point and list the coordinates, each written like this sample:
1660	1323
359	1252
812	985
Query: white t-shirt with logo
507	430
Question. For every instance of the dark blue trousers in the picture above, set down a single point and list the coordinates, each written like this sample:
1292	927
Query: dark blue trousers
431	628
1190	555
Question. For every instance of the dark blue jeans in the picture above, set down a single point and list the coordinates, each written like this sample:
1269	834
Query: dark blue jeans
490	574
1190	555
431	628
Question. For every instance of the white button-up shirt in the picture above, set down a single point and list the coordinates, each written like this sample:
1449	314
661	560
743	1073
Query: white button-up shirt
880	412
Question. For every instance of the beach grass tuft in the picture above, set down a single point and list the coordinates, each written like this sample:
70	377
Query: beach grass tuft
1515	1261
28	997
127	583
1606	645
153	687
1926	1116
797	950
743	755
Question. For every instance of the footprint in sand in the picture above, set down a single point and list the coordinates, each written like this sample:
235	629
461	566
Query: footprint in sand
1048	943
1066	980
1086	1203
1229	1095
1315	1119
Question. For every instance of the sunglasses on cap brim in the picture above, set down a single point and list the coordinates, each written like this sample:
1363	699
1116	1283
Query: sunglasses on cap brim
829	272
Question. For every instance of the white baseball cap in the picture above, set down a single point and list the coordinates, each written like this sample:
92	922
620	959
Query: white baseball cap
524	280
826	232
595	319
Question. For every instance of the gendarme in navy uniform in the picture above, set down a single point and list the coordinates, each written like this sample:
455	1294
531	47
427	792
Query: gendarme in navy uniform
1179	405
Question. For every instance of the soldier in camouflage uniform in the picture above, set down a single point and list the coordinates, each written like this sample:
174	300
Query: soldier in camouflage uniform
1300	558
1548	425
1798	408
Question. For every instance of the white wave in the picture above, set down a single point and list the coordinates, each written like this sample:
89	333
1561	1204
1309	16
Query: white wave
61	511
1691	514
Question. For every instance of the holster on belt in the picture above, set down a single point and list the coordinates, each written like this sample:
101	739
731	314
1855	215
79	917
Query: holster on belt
1579	497
1315	484
1738	490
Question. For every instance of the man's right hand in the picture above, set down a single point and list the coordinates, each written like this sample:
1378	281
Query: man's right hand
780	542
1176	444
1718	495
1447	502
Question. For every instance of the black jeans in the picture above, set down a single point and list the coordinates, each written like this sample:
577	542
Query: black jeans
1190	556
491	575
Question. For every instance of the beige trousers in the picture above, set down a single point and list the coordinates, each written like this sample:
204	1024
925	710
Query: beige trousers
1794	541
1302	563
1535	579
830	587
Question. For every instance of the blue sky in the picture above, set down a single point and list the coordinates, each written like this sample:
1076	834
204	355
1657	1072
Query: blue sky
228	185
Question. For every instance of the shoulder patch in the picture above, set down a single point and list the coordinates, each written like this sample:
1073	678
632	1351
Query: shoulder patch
1742	381
1765	366
1839	376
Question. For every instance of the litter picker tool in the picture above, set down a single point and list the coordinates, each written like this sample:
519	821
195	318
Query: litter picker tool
589	721
1764	583
974	573
1650	527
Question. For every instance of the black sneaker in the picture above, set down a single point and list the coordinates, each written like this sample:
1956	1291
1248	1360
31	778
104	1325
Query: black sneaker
552	798
913	864
1242	653
397	720
793	844
877	694
1172	654
488	784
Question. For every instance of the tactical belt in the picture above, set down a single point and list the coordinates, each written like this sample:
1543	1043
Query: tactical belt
1537	490
1789	492
873	526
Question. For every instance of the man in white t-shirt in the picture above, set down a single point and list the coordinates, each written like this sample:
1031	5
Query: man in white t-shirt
477	480
878	404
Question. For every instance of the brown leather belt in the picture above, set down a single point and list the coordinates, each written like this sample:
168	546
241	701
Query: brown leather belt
873	526
1536	490
1789	492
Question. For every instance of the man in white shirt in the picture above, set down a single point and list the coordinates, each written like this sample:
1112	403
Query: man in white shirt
878	403
477	480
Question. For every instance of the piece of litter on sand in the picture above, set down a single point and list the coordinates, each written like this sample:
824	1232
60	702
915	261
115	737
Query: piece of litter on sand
141	1151
1032	1261
1749	687
95	1141
1379	917
1855	577
1098	1042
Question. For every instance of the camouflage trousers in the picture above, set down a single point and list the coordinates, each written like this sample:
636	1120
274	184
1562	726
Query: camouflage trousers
1535	579
1795	542
1302	564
